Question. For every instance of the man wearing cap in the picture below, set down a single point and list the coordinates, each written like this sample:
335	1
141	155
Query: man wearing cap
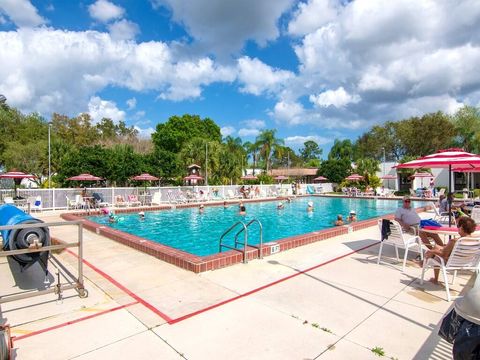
407	217
352	217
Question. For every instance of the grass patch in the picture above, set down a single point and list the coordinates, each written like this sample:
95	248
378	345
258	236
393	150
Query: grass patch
378	351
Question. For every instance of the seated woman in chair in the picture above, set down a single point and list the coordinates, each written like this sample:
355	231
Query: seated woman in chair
466	226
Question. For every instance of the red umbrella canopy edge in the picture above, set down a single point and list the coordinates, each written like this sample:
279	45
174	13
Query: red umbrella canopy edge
145	177
84	177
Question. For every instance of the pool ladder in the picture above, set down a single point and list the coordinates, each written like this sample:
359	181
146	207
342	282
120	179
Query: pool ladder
244	230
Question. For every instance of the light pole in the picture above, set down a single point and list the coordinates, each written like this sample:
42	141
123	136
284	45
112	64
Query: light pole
49	157
383	148
206	163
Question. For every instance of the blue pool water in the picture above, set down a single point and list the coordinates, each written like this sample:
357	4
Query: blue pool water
199	234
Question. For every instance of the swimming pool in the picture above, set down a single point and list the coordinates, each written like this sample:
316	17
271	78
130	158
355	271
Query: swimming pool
188	230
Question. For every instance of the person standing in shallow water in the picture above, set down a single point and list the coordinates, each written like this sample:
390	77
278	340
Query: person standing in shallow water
242	209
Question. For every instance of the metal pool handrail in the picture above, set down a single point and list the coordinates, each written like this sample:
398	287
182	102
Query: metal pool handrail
236	242
260	246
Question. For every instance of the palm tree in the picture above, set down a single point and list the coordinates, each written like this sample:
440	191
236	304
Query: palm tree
252	149
267	142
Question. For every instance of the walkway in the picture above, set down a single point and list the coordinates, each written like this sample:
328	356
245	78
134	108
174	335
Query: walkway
327	300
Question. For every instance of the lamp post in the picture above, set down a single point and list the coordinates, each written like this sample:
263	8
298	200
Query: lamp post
383	148
206	163
49	157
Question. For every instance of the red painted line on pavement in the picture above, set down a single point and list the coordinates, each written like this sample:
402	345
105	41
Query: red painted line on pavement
123	288
21	337
300	272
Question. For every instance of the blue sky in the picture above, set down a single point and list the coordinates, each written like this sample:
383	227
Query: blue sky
313	70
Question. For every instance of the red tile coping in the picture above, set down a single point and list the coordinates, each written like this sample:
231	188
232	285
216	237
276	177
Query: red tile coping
200	264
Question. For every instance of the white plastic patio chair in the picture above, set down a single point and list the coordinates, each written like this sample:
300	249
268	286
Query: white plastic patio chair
35	203
465	256
157	198
475	214
441	217
399	239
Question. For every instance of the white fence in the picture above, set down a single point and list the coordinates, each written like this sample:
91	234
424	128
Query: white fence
57	198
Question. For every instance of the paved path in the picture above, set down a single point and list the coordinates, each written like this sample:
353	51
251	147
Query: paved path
328	300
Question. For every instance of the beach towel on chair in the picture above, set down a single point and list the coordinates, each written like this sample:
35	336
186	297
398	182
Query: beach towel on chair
385	229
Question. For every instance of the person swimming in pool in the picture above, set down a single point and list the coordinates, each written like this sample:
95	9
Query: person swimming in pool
339	221
201	209
280	206
310	206
225	205
141	215
112	218
242	209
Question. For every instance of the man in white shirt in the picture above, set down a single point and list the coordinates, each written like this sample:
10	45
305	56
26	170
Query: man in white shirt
407	217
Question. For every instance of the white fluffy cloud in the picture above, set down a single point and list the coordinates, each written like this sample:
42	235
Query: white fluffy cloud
123	30
21	12
105	11
291	113
377	59
131	103
227	130
313	15
338	98
99	109
257	77
300	140
223	26
248	132
71	66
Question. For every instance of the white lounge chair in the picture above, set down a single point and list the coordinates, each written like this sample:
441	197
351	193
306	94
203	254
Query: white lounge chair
399	239
157	198
465	256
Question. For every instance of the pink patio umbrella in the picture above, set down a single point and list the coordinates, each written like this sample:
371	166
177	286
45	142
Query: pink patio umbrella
281	177
84	177
354	177
145	177
320	178
422	175
249	177
388	177
192	179
452	159
17	177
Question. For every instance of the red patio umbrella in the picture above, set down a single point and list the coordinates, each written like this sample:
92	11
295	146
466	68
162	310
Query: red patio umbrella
354	177
84	177
249	177
421	175
193	178
388	177
320	178
17	177
453	158
281	177
145	177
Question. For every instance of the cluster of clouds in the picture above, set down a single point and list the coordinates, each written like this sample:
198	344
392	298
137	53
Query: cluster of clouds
359	62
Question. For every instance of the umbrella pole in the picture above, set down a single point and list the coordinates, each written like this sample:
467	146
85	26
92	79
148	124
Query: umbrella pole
450	191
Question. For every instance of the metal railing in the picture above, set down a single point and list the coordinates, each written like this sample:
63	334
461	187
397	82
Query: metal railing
260	244
245	240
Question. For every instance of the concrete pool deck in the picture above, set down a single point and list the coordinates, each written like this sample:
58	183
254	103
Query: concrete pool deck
325	300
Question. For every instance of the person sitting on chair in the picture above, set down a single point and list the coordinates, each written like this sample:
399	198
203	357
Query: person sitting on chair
466	226
407	217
